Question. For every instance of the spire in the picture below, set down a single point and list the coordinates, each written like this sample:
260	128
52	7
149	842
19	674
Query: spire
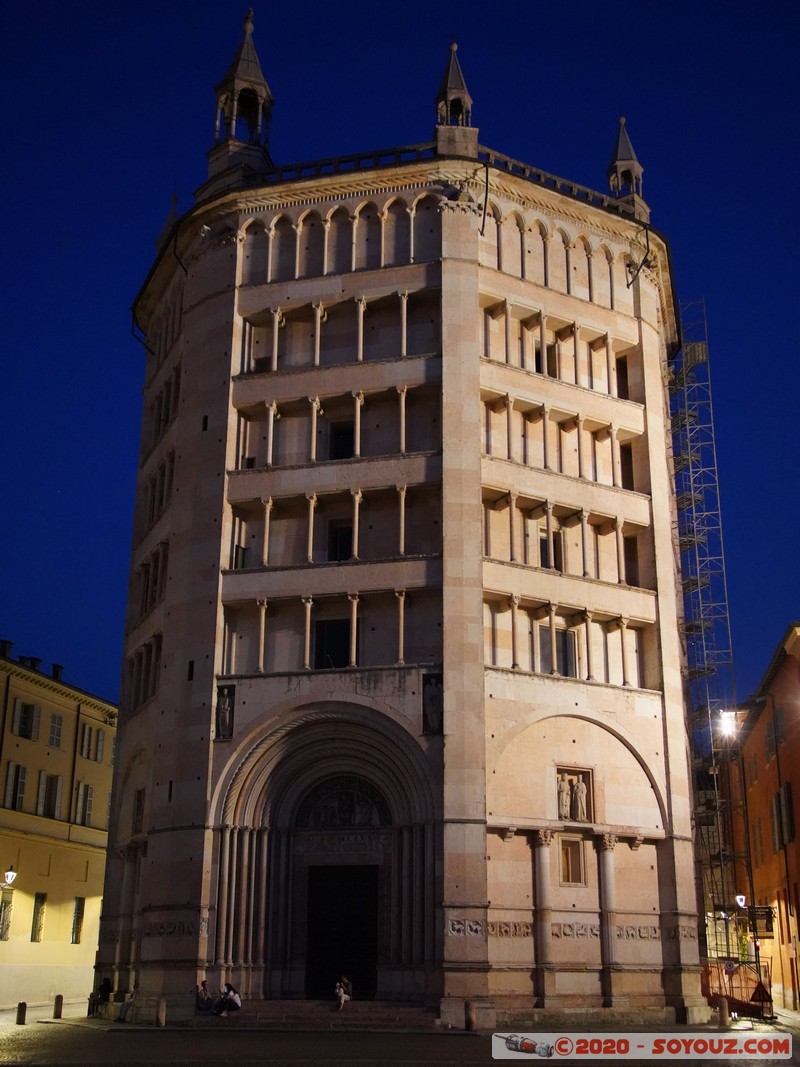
241	132
244	102
453	102
455	134
625	174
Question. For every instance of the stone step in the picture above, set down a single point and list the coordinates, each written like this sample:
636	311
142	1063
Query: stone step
323	1015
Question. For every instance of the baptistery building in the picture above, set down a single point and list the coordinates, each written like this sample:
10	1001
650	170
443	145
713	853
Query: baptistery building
402	684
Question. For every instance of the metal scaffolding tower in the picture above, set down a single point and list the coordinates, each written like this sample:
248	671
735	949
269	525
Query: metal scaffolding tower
708	666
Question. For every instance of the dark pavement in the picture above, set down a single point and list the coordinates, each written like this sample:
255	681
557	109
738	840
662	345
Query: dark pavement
90	1042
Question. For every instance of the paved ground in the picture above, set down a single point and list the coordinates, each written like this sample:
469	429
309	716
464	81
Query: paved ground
77	1040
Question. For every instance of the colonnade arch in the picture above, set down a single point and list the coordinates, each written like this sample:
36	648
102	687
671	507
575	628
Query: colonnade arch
332	795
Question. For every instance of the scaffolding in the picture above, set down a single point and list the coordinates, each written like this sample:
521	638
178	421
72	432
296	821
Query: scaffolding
708	655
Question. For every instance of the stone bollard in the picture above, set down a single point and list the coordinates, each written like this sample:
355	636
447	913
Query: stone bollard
161	1012
469	1015
724	1014
58	1006
22	1009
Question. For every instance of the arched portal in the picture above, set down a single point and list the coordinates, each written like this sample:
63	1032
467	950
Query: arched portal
327	860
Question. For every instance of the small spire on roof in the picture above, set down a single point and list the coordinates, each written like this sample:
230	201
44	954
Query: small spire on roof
453	102
625	172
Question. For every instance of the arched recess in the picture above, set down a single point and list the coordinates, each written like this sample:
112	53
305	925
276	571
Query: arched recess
512	240
311	249
396	234
368	238
603	277
623	295
581	265
284	250
270	854
255	255
557	261
489	249
427	223
340	243
536	253
620	770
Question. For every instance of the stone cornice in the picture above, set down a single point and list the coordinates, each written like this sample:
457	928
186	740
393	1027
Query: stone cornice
37	680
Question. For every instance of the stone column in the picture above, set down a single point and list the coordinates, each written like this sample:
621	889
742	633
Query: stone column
585	542
587	629
403	324
576	352
616	465
542	343
222	900
320	316
267	502
507	330
623	627
307	603
312	503
545	436
358	399
514	602
620	542
272	417
357	497
551	618
316	410
353	598
233	884
243	903
611	367
509	403
548	512
277	322
608	915
543	916
401	393
262	629
326	225
581	447
512	524
401	624
361	305
401	493
261	902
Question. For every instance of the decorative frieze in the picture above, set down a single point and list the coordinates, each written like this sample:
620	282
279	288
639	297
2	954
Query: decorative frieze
509	929
465	928
357	841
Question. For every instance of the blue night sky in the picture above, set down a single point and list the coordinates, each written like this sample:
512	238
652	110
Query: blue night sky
110	108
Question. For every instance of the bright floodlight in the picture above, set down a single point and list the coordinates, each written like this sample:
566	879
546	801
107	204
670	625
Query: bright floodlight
740	899
728	723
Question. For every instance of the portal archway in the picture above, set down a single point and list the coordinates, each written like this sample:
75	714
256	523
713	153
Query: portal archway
334	807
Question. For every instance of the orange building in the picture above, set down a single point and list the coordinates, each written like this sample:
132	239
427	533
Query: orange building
769	753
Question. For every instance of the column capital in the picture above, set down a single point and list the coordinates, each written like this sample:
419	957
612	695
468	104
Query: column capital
514	600
544	838
606	842
279	319
361	301
402	390
353	598
312	499
272	407
403	294
400	593
262	602
314	401
401	489
307	600
268	502
357	495
358	397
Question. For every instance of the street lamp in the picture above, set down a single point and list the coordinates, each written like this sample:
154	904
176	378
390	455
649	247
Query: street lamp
8	878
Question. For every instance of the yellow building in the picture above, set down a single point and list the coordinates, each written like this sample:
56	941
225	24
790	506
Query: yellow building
57	755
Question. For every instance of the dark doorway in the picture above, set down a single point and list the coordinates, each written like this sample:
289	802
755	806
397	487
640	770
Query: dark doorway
342	930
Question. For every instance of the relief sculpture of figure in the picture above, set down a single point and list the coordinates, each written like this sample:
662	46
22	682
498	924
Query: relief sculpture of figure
579	800
564	796
224	712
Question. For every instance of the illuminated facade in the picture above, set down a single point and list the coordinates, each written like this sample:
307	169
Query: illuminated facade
56	767
402	690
